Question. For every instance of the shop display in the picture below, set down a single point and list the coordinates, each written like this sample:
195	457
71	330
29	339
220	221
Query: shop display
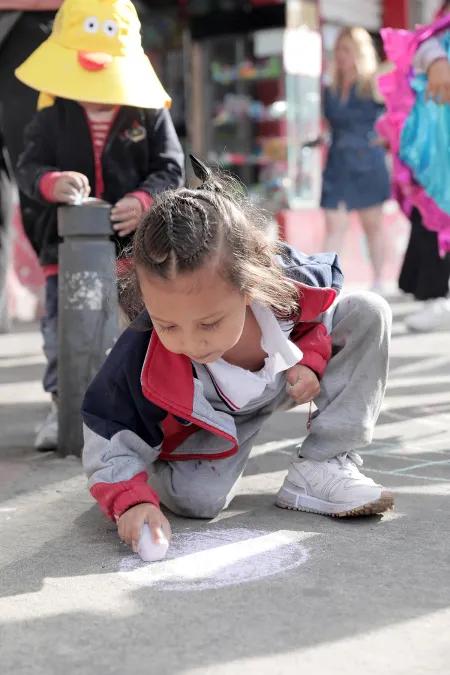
254	96
236	108
268	69
247	110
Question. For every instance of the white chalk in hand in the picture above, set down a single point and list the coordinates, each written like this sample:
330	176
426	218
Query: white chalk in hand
148	549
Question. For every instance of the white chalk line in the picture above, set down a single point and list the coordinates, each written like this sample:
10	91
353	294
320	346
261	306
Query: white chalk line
219	557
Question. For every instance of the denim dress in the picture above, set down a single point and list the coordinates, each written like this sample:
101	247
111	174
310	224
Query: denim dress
355	174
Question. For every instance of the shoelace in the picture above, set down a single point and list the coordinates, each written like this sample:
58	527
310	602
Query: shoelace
308	423
349	462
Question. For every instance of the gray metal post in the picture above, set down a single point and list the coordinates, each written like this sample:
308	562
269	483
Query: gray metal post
87	311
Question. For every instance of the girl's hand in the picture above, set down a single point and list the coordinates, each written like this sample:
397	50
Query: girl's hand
303	384
130	524
439	81
127	214
70	186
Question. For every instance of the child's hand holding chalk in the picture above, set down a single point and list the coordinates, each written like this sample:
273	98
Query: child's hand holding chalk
147	530
70	188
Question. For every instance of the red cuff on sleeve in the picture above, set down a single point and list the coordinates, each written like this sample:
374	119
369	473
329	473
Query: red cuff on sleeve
314	361
315	344
116	498
50	270
47	185
143	197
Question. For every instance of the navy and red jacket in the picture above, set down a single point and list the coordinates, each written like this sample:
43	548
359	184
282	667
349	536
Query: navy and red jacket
147	404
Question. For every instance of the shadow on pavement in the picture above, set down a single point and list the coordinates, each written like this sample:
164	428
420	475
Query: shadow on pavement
362	575
67	607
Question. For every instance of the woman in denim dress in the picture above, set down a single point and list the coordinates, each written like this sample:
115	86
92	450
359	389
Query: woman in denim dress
355	177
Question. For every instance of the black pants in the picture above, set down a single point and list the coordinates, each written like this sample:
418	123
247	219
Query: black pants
424	273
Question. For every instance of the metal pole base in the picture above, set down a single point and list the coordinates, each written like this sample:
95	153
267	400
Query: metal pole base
87	312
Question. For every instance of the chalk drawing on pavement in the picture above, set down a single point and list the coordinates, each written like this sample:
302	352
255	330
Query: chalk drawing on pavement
215	558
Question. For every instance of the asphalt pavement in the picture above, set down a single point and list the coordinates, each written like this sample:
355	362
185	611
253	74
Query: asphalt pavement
258	590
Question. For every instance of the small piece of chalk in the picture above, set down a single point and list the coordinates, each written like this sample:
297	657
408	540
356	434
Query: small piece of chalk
148	550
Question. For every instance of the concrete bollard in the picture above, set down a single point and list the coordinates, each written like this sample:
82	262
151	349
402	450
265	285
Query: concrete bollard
87	311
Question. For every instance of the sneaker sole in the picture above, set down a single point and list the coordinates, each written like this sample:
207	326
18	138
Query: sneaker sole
385	502
45	444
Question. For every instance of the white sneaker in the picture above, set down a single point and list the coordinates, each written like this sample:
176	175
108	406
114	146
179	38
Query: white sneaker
434	317
333	487
47	436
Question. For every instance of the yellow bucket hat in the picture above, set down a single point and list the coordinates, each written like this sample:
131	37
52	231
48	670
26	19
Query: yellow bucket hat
94	54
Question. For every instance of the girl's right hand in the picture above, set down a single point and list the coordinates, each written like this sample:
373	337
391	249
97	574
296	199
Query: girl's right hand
69	186
439	81
130	524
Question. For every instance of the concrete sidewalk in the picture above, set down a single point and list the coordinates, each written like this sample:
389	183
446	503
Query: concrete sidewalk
293	592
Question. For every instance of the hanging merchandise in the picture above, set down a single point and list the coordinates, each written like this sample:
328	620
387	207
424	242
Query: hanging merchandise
96	55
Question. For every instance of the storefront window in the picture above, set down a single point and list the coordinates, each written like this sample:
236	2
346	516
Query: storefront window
302	56
246	111
255	100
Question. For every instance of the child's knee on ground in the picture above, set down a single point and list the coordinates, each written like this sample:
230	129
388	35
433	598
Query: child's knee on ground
370	312
201	502
201	492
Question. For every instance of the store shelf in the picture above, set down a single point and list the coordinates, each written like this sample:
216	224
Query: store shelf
247	71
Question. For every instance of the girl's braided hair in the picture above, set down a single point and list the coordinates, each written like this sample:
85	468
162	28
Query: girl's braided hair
184	227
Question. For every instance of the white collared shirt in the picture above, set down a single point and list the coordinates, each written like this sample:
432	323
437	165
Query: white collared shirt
231	388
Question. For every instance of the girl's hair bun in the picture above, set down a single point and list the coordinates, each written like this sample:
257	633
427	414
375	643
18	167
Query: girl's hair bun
201	170
204	174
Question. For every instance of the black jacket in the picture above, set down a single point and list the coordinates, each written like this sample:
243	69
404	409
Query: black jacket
58	139
6	196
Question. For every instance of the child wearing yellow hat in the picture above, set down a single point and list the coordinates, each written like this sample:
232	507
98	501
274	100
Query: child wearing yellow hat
103	129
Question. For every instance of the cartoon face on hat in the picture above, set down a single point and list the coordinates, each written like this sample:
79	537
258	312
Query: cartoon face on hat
94	54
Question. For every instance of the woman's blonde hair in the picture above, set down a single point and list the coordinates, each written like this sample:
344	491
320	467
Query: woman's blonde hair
366	61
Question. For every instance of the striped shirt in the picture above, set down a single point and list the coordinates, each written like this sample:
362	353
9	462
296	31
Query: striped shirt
100	122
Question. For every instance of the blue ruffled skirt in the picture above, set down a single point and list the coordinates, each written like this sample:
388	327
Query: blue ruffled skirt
425	145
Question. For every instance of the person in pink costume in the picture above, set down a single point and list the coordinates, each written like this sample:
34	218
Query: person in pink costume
420	59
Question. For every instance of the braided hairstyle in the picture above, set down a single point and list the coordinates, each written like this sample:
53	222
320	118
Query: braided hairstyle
184	228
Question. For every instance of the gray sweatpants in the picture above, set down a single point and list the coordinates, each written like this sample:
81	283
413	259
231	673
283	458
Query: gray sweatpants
352	391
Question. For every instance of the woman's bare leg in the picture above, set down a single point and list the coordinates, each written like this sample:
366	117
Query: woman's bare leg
336	221
372	224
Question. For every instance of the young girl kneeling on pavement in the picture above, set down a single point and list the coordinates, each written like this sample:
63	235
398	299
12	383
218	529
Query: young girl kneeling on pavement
238	327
